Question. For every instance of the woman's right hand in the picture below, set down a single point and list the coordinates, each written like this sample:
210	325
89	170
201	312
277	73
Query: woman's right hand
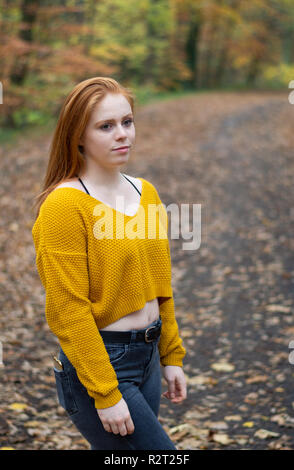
117	418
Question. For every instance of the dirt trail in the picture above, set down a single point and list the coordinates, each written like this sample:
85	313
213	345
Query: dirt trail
231	153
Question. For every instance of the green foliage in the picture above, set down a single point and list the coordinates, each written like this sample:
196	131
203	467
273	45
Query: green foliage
25	116
278	76
144	93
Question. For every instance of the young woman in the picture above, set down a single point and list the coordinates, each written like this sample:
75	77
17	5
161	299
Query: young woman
109	298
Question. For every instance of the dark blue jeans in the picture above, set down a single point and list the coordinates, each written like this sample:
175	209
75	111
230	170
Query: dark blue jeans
138	372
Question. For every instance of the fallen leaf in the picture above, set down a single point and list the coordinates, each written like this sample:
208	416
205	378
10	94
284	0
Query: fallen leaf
216	425
251	398
265	434
248	424
18	406
222	438
32	424
181	428
222	366
185	333
242	440
233	418
201	380
256	379
278	308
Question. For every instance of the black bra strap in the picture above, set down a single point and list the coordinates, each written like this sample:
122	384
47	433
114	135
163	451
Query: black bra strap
132	184
122	174
84	186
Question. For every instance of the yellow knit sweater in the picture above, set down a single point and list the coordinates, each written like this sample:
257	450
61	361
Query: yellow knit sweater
96	265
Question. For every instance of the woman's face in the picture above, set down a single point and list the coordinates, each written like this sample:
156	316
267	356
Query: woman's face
110	126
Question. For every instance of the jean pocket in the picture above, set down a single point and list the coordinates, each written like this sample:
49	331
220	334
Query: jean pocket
116	352
64	391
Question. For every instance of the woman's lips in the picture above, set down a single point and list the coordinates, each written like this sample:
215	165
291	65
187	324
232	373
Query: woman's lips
121	150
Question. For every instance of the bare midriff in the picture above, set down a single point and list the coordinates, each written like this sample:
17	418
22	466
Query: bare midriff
136	320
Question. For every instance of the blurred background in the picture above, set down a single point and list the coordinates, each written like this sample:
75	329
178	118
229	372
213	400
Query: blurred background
214	126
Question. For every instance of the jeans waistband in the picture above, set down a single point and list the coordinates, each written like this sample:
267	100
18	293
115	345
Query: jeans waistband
147	335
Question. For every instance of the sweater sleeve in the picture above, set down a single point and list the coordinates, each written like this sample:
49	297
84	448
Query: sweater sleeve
63	268
171	349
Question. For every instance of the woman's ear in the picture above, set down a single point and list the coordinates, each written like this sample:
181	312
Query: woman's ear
80	146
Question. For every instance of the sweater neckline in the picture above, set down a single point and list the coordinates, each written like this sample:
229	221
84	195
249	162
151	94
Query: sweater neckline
107	205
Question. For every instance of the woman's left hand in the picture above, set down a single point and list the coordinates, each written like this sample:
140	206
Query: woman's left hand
176	381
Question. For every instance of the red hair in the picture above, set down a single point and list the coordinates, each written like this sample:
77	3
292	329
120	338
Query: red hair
65	158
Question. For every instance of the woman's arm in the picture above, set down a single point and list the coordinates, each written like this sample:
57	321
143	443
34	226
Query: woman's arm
62	262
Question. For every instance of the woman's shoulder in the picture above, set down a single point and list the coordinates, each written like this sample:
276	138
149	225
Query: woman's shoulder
70	183
61	203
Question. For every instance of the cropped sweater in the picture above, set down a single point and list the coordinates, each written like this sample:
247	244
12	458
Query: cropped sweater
97	265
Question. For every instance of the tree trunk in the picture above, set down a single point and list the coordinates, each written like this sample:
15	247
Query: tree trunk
253	71
191	51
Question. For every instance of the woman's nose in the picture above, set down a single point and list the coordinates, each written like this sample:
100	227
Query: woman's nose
121	132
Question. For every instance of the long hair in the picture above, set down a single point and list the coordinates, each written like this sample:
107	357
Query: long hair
65	158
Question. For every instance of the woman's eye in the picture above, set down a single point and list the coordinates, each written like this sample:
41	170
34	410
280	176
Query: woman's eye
104	126
128	121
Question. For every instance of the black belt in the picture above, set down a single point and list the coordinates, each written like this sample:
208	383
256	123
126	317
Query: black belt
148	335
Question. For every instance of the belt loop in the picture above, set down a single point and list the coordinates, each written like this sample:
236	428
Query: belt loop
133	336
